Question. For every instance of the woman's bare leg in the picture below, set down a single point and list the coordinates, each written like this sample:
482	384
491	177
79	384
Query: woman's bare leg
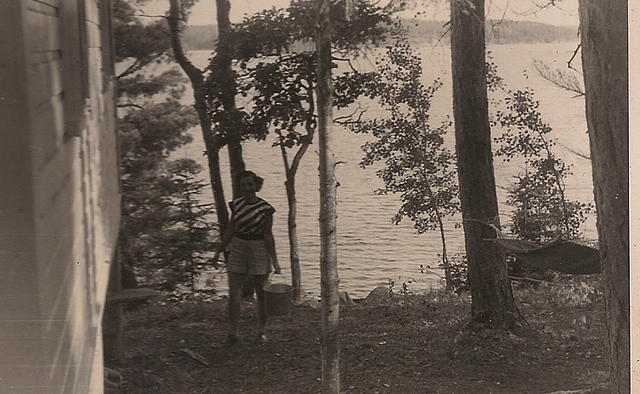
235	293
261	311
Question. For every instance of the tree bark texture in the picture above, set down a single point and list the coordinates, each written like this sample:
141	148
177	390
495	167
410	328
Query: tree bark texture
603	31
196	78
227	84
294	256
492	302
330	309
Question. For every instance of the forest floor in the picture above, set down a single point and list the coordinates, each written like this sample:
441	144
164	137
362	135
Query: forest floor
402	344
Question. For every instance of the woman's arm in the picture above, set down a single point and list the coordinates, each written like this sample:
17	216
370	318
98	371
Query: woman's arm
270	242
226	237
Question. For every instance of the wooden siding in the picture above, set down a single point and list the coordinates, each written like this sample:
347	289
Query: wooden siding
40	27
61	159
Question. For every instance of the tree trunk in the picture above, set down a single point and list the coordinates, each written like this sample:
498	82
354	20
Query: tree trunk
328	216
213	160
290	186
603	31
197	82
492	302
443	239
294	257
227	84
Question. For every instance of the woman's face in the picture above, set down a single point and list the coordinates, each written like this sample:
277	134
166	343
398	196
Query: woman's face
247	186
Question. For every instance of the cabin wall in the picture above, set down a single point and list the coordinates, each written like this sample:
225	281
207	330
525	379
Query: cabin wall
59	195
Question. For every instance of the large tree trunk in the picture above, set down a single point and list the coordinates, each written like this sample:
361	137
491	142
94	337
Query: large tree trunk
197	82
603	31
330	343
492	302
227	84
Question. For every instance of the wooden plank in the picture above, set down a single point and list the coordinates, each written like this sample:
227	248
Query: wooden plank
43	7
92	12
45	56
93	35
45	82
54	193
47	132
30	328
94	76
51	3
42	32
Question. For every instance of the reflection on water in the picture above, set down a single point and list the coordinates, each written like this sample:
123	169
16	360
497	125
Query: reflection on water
372	250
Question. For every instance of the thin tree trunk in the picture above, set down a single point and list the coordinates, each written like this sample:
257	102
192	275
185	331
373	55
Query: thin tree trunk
445	259
196	78
291	171
226	82
294	257
603	31
330	343
492	302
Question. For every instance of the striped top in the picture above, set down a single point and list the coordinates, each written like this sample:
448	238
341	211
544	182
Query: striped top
249	217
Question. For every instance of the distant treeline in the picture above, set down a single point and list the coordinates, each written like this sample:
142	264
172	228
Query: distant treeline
497	32
422	31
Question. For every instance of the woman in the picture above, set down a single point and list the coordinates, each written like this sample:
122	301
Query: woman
252	250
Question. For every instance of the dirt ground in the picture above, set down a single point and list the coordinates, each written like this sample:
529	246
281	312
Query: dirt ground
407	344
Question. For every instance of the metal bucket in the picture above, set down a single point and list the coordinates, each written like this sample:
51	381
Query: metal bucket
278	298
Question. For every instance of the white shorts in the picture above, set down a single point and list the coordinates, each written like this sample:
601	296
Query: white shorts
248	257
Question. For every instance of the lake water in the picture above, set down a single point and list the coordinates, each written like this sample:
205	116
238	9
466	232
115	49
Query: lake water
371	249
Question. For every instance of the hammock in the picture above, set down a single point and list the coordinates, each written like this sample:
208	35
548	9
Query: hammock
563	256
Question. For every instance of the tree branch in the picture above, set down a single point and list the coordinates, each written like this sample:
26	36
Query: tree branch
564	81
139	63
285	160
528	279
573	57
345	60
129	69
537	7
310	126
143	15
575	152
339	119
174	19
129	105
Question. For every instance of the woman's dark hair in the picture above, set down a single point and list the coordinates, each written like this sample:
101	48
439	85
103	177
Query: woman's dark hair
258	180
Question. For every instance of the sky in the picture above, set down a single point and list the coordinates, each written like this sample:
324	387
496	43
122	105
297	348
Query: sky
565	13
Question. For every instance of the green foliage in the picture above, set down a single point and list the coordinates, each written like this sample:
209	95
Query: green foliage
177	249
417	164
542	211
274	31
282	97
566	290
164	231
136	43
421	32
170	82
459	277
280	82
